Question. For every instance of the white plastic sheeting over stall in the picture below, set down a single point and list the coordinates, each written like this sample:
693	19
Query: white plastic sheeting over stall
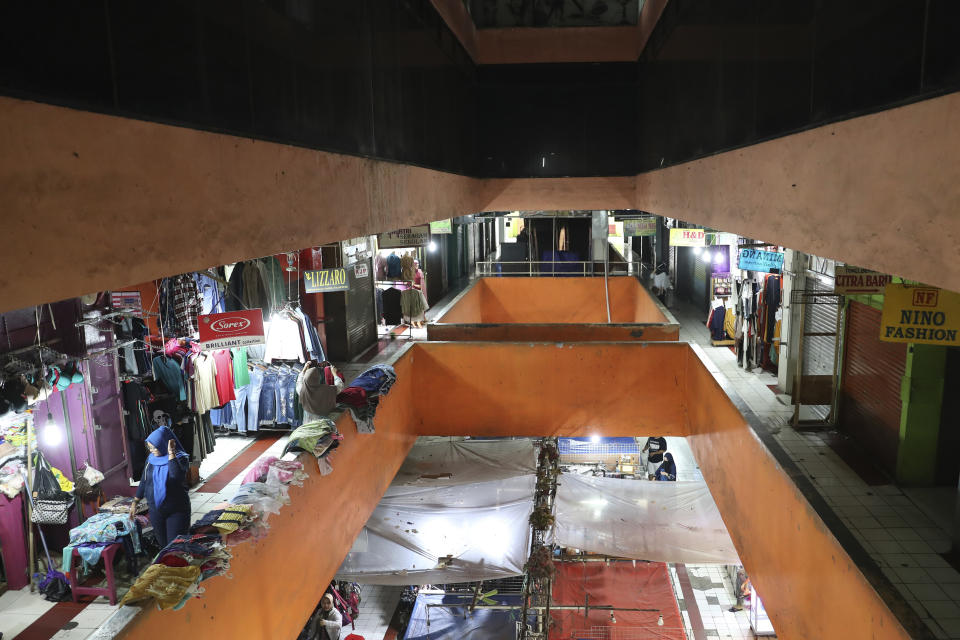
657	521
449	462
461	533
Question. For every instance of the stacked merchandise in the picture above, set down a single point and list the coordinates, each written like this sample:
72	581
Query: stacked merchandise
180	567
362	396
13	458
716	321
319	438
99	531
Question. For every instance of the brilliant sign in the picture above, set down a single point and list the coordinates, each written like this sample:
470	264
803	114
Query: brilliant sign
232	329
688	238
851	280
763	261
923	315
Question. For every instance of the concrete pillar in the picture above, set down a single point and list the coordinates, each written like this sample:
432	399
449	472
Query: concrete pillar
921	395
790	329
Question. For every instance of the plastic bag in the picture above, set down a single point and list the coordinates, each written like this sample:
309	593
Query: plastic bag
92	476
46	486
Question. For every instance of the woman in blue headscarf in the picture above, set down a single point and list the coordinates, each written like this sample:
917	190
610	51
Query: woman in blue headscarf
163	486
667	472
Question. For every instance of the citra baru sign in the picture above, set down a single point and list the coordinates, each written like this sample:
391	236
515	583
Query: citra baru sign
923	315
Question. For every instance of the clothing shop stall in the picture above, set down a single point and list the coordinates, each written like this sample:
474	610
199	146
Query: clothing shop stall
59	388
401	282
351	314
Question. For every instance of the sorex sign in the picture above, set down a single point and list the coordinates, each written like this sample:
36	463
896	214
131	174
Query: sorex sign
233	329
923	315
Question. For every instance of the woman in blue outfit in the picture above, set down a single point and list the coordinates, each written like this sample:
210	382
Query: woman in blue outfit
163	486
667	472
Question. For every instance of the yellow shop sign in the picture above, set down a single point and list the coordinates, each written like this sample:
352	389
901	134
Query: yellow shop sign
924	315
688	237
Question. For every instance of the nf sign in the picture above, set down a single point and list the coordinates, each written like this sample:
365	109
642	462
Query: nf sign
923	315
233	329
688	238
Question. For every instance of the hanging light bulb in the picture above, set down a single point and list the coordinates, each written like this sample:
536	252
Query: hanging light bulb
432	246
52	432
290	266
660	620
717	257
697	251
613	618
594	438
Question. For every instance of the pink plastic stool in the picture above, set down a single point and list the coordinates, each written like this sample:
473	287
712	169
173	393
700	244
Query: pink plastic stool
107	556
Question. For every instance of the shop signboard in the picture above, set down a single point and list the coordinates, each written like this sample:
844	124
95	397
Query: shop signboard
763	261
361	270
231	329
688	238
441	226
640	227
325	280
850	280
922	315
127	300
409	237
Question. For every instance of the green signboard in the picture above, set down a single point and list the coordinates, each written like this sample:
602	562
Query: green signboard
323	280
441	226
640	227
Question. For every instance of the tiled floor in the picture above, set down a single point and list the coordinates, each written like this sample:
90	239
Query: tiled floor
893	525
377	604
714	594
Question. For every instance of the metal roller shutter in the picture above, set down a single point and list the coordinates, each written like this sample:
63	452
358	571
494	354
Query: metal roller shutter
870	390
819	350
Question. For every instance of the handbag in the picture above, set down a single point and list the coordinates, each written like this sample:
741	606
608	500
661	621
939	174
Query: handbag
50	511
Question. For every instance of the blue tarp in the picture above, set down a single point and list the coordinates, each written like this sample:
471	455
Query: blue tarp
449	623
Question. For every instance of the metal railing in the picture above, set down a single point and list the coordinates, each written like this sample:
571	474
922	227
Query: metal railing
558	268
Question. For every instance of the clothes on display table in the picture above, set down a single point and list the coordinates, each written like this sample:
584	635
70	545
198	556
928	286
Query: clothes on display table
363	395
96	533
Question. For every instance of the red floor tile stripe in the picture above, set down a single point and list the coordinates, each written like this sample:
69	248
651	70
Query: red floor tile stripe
227	473
693	610
52	621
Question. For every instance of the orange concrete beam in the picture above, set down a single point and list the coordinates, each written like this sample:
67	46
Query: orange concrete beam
809	585
880	191
93	202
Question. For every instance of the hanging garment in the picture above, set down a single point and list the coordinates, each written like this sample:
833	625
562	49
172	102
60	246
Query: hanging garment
380	267
186	305
394	267
284	340
136	417
211	293
392	311
224	376
168	371
413	305
233	296
406	267
254	289
241	375
313	338
205	383
274	284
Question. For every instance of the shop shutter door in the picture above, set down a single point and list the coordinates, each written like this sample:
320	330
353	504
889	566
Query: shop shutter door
819	351
870	390
361	310
701	283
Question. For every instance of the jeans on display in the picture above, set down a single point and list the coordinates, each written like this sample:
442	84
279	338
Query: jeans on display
222	417
291	399
286	403
253	399
238	419
268	398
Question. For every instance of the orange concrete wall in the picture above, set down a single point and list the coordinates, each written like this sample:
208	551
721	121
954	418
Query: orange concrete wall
809	585
554	300
549	389
279	580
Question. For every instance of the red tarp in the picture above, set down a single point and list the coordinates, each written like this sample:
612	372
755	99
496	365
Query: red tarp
618	584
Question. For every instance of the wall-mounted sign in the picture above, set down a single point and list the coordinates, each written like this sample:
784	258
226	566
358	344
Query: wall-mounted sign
323	280
361	270
722	284
441	226
856	281
409	237
127	300
640	227
688	238
757	260
232	329
924	315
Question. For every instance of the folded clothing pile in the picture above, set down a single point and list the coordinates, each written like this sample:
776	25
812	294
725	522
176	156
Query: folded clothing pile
226	520
205	551
363	395
319	438
171	587
99	531
280	471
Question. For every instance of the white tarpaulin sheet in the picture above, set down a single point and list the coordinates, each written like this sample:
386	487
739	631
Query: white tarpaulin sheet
466	461
426	535
658	521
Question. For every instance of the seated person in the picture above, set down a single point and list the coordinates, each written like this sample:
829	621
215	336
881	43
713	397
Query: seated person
667	472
